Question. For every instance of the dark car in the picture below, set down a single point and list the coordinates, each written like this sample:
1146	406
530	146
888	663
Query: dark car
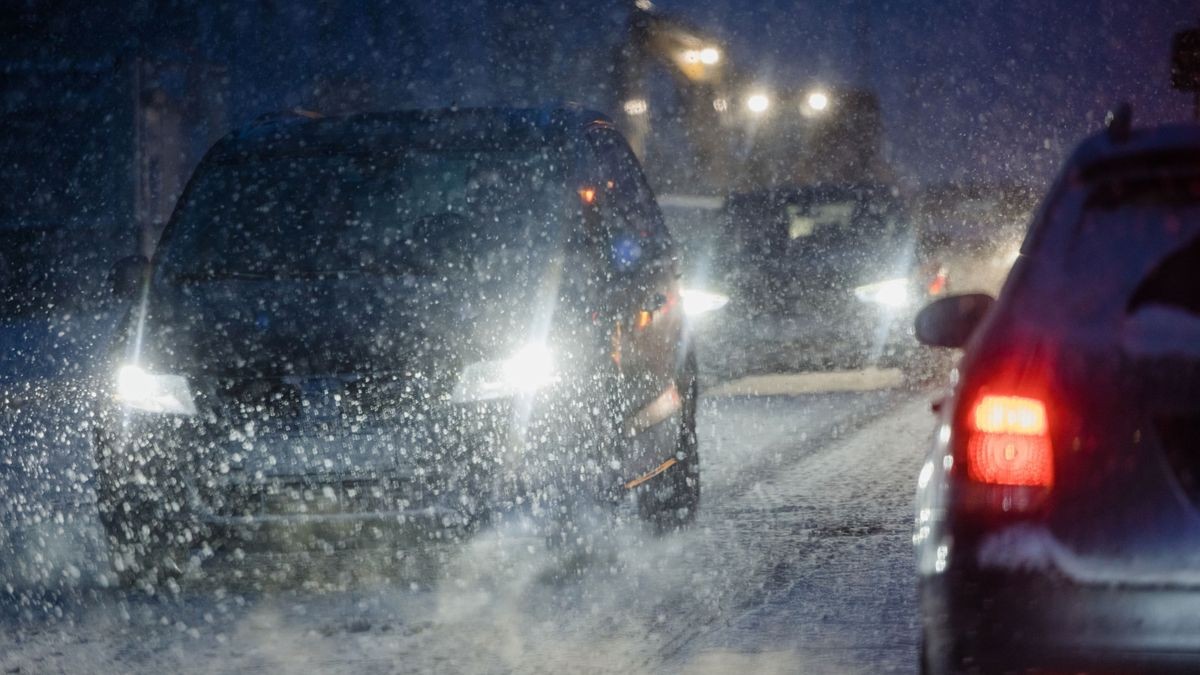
822	276
418	318
1058	512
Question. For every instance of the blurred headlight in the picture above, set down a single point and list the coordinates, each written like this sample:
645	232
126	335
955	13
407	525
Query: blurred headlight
697	302
528	370
889	293
154	392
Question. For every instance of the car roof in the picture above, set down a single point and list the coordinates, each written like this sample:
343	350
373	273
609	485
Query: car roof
1115	154
1162	145
475	128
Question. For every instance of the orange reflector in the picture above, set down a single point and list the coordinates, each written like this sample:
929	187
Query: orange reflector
643	319
1010	442
588	195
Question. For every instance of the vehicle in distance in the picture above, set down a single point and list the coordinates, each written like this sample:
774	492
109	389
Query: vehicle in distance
973	230
819	276
418	318
1057	513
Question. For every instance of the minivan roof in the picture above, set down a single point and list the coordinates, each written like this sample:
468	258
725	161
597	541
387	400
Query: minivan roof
476	128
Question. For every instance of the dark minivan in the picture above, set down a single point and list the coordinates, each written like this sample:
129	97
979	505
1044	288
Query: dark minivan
416	319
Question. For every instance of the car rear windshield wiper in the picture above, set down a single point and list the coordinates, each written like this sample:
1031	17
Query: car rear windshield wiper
298	275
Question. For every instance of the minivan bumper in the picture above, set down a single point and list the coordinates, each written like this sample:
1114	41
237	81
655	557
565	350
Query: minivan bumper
445	469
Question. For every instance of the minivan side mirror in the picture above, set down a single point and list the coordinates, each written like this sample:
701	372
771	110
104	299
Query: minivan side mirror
950	321
127	275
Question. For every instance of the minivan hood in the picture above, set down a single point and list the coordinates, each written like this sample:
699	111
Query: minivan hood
328	326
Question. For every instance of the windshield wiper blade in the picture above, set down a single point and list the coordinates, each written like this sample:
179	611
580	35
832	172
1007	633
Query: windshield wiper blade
296	275
223	275
358	271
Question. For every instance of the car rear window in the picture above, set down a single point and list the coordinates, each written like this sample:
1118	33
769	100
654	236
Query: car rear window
1128	229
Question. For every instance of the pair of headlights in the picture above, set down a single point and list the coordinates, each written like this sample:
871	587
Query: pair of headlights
529	369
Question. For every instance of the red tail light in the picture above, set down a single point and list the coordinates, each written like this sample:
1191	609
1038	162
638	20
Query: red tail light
1008	442
937	285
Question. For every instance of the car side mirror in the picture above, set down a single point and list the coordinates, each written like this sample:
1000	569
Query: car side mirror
127	275
950	321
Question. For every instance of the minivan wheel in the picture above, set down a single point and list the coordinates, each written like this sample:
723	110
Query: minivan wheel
671	500
142	550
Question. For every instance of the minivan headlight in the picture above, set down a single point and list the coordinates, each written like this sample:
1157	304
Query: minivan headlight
529	369
889	292
154	392
698	302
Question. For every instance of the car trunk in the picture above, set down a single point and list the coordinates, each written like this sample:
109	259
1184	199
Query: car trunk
1122	359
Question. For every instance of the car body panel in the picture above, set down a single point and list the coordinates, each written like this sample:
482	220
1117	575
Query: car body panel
1105	559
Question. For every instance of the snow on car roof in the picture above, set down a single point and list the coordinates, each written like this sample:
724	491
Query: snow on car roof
1104	148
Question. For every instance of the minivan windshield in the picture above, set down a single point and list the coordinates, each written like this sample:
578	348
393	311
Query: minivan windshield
328	214
777	229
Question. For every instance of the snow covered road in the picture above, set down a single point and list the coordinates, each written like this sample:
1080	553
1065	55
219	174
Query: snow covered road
800	562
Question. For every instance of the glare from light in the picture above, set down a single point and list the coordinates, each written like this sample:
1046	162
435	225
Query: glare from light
636	106
691	55
892	293
697	302
818	101
758	103
720	104
943	435
153	392
925	475
132	381
529	369
709	56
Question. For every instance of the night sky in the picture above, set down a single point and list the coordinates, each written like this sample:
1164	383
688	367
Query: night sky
984	90
993	89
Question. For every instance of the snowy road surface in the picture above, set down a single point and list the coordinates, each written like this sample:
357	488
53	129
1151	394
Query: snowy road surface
800	562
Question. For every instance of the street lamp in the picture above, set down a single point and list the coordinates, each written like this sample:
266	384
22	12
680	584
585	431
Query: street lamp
708	56
816	102
758	103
